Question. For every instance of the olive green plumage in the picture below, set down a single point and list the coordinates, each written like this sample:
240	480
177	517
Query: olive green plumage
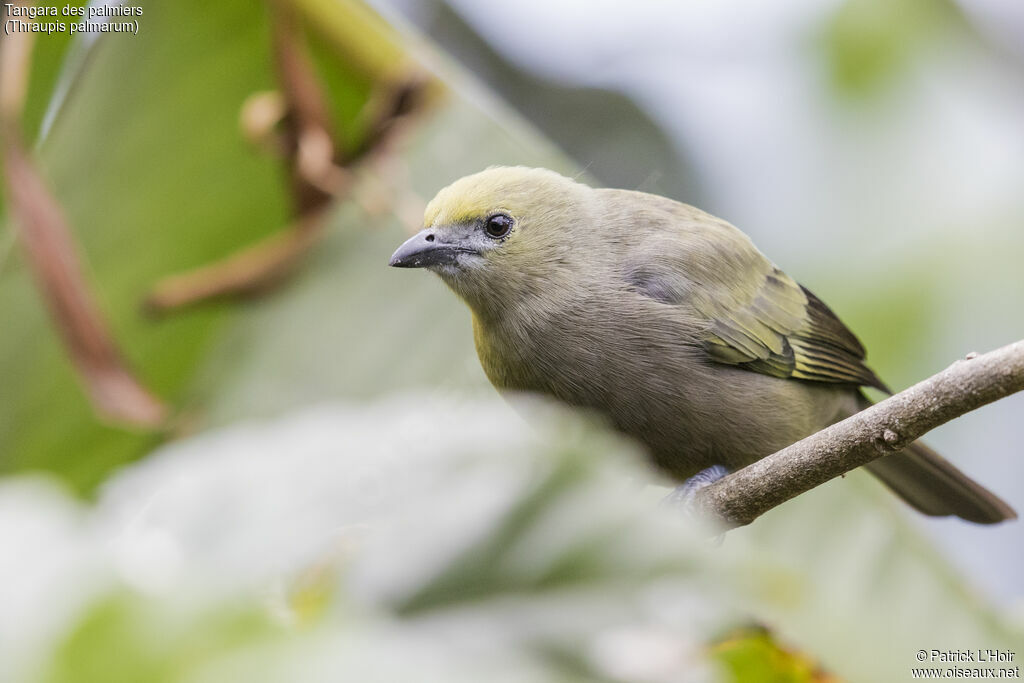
667	320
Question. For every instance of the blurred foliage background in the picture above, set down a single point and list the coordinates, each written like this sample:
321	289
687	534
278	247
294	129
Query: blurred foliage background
313	508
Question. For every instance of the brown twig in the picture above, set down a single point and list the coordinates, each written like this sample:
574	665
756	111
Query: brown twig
296	124
884	428
310	143
389	108
43	231
246	272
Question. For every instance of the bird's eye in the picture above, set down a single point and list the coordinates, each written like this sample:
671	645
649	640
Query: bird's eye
498	225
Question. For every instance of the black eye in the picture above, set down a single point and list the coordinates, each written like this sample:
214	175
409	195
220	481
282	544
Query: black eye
498	225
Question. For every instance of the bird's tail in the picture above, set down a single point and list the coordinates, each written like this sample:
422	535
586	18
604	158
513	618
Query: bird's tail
932	485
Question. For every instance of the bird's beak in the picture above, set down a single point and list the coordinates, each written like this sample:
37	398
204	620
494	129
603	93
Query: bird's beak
425	249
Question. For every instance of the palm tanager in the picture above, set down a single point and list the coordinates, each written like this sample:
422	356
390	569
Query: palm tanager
663	318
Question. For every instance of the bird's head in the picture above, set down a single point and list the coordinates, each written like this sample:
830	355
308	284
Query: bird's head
499	234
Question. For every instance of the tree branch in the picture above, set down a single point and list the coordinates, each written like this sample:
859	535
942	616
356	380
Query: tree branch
884	428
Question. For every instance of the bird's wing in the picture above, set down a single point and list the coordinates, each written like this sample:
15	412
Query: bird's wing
784	330
754	315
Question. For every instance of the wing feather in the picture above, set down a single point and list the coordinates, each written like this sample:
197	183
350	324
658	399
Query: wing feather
753	315
786	331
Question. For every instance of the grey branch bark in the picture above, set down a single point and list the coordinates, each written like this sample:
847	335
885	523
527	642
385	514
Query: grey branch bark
884	428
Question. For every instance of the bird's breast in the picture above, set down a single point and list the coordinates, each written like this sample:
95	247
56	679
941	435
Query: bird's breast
589	353
645	372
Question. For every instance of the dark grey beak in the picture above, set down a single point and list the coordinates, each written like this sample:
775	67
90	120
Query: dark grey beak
425	249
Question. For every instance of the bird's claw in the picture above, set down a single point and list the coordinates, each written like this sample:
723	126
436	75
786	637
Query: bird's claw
686	492
684	497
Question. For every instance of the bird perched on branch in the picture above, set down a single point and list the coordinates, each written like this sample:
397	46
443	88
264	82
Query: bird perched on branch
667	320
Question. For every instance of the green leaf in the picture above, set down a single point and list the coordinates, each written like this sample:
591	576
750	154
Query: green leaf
753	656
869	42
155	177
146	158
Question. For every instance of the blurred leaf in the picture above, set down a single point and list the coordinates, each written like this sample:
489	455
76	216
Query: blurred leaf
126	639
48	59
154	178
171	185
866	566
481	542
48	56
752	656
869	42
390	500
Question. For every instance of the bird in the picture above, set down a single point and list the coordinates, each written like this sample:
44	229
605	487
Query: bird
665	320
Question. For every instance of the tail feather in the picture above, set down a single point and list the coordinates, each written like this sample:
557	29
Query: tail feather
932	485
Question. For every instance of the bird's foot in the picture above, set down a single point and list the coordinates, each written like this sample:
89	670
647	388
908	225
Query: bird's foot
684	494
